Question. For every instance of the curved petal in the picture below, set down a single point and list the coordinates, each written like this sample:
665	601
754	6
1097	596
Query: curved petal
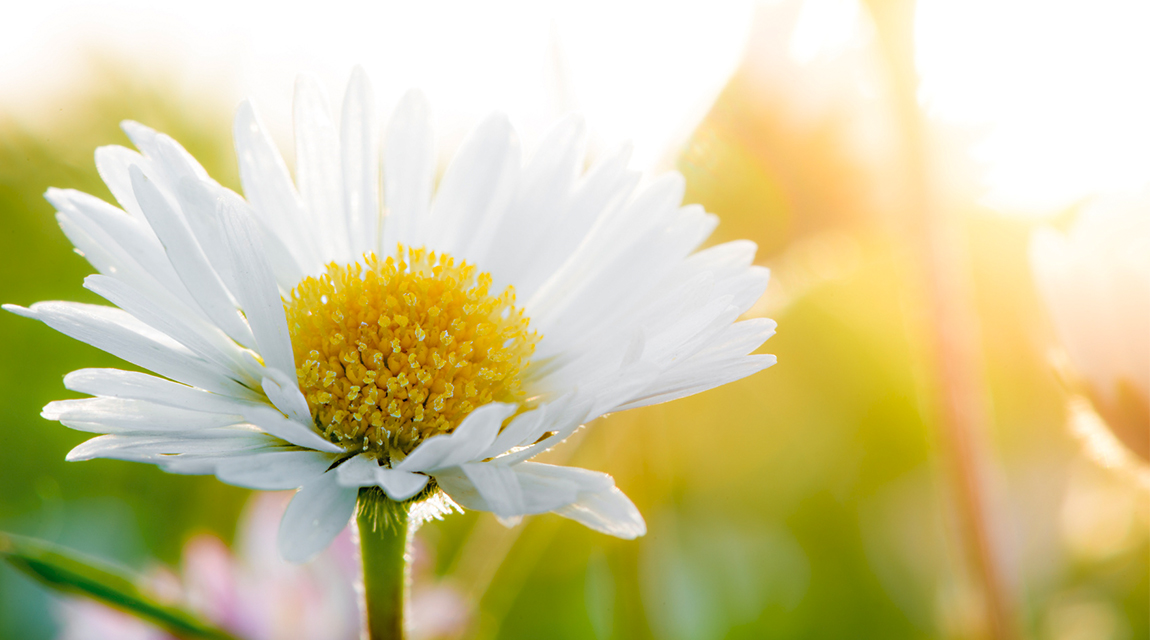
588	497
315	516
610	512
400	485
362	471
469	440
284	393
359	471
273	470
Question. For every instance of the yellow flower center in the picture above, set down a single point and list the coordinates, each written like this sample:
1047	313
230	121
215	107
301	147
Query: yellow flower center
389	352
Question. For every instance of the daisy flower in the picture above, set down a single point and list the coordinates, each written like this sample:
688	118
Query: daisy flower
365	325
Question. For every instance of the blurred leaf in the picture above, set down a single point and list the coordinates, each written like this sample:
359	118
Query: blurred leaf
65	570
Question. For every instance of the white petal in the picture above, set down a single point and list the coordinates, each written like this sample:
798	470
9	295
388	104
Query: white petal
104	256
268	186
610	512
147	140
141	386
700	379
546	185
188	260
589	497
317	168
602	193
275	423
198	203
721	361
525	426
284	393
362	471
316	515
499	487
115	415
474	191
257	291
123	336
273	470
562	418
359	148
112	164
358	471
121	247
203	339
474	435
400	485
131	236
225	440
408	170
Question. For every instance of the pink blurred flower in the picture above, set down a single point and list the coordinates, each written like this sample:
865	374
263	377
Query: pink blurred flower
253	593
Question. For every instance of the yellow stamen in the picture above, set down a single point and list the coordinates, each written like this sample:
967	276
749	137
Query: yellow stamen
382	345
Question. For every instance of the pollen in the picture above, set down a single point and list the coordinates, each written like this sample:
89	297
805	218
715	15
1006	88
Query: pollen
392	351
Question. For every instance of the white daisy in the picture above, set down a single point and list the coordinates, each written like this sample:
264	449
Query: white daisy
358	327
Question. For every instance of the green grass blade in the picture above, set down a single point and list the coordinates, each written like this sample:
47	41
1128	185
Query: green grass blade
71	572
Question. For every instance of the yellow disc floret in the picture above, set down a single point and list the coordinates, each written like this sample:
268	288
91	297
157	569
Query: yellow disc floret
389	352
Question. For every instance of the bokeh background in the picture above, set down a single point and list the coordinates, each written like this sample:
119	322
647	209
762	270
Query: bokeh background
813	500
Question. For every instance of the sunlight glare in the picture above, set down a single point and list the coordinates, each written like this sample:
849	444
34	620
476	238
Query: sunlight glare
1059	90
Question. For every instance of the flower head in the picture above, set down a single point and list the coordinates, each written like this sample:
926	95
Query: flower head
348	330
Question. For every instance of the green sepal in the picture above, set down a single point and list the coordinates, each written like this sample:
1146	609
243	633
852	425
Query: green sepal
65	570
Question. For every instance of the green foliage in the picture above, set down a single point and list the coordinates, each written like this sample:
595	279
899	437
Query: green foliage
71	572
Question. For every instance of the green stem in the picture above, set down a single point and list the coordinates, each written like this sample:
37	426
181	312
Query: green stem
384	533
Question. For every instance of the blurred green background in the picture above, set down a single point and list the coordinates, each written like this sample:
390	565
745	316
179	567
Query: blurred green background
807	501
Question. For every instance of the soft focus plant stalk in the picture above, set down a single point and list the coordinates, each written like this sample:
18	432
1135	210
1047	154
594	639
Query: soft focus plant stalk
935	242
385	532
